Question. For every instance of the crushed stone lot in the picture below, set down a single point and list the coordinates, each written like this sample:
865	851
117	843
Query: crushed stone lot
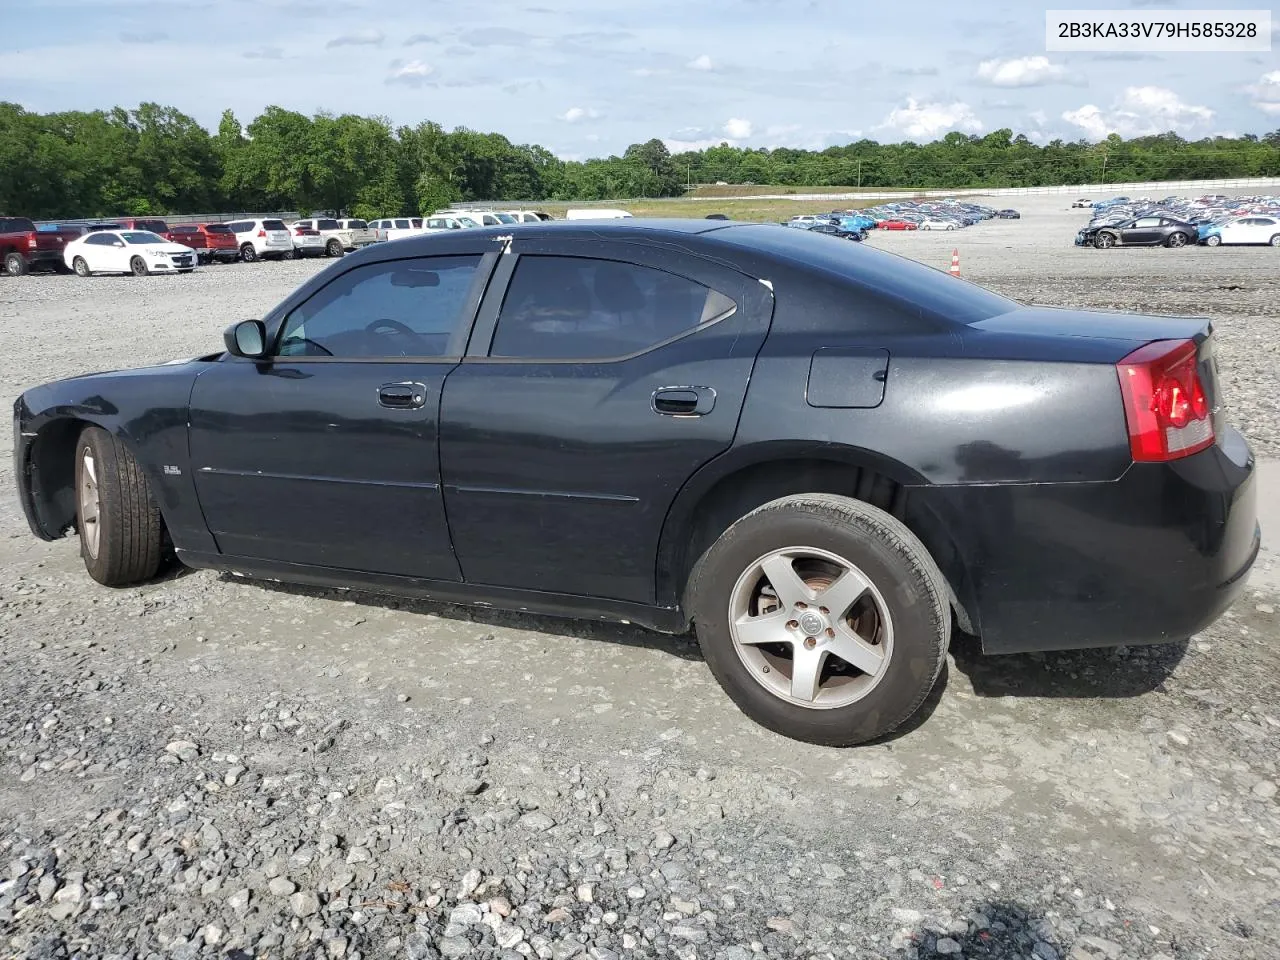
210	767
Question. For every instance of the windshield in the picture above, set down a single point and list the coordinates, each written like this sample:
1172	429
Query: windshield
467	222
141	236
506	218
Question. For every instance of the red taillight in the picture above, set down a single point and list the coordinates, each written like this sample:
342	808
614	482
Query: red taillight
1165	405
32	243
262	233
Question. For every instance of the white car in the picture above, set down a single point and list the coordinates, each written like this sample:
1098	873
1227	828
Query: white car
307	241
486	218
262	239
933	223
1253	229
336	238
453	221
139	252
596	213
395	228
529	216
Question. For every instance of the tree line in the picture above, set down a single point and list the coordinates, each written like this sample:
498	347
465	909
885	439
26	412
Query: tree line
156	160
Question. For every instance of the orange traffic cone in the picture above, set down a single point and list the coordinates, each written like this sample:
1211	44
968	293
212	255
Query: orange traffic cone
955	263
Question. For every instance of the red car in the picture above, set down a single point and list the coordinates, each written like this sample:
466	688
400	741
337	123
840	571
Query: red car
210	241
897	225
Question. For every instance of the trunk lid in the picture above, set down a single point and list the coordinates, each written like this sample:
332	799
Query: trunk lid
1056	322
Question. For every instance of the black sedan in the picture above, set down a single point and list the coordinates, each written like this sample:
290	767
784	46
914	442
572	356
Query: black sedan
1008	215
818	455
1146	231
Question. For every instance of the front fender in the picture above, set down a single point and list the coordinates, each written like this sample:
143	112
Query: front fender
145	408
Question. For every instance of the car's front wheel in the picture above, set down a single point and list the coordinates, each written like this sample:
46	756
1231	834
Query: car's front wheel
1275	241
121	536
1213	241
1104	241
138	266
822	617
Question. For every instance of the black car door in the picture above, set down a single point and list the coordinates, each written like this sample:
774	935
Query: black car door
600	376
1143	230
326	454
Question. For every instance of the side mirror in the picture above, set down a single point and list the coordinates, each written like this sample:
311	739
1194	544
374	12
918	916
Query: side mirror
248	339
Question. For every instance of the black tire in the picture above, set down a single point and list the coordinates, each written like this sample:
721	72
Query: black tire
333	249
888	554
139	267
1213	240
291	255
1177	240
131	533
1104	240
81	267
1275	241
15	265
247	253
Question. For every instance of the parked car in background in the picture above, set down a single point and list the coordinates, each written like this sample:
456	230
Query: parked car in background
597	213
1243	230
138	252
1139	232
335	239
210	241
1009	214
361	235
529	216
23	247
816	473
1082	203
831	230
262	239
441	222
934	223
897	224
307	241
396	228
150	224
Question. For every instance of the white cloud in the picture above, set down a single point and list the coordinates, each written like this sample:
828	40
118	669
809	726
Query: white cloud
782	129
358	38
1266	93
1039	117
1138	112
701	63
924	121
1020	72
575	114
737	129
413	73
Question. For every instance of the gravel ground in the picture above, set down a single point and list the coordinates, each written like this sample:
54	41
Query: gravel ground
206	767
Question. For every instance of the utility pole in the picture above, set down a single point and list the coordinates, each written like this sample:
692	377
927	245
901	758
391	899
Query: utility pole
1104	166
859	172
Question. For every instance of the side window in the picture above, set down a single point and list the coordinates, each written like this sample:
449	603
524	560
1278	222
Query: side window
398	308
1147	222
101	239
402	224
238	227
578	308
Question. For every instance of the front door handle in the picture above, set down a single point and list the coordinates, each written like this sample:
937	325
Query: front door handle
683	401
402	396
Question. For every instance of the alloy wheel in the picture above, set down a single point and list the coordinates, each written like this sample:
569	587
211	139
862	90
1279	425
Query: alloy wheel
90	519
810	627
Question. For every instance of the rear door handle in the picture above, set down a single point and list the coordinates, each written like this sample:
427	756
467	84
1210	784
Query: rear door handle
402	396
683	401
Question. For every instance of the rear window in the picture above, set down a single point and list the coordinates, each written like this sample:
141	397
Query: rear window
274	225
183	228
217	228
357	225
154	226
328	225
16	225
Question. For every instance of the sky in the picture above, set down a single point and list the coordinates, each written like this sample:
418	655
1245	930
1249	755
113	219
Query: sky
586	78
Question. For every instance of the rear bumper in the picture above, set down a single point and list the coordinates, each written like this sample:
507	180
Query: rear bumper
1152	557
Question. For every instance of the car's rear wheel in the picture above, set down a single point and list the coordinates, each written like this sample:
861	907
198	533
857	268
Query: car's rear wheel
1177	240
822	617
333	249
1213	241
15	264
248	253
121	535
81	267
138	266
1104	240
